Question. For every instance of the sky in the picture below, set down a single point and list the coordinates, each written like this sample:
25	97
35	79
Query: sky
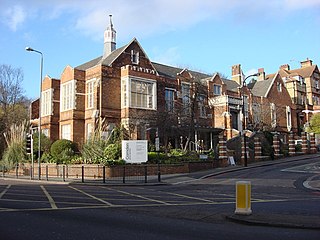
203	35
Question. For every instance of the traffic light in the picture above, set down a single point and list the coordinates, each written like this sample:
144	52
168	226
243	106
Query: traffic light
29	143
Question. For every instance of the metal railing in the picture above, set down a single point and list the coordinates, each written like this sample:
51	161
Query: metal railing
86	173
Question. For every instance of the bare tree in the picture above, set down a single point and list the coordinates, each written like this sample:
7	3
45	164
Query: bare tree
188	110
13	104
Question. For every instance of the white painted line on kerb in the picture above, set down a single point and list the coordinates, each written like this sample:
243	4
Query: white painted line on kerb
138	196
4	191
51	201
89	195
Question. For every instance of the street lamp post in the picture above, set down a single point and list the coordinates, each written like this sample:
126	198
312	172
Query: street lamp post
39	124
244	120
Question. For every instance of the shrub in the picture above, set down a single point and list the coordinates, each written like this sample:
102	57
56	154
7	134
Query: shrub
113	151
153	157
177	152
63	150
47	158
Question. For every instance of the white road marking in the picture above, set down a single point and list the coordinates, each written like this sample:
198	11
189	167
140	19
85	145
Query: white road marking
4	191
138	196
51	201
89	195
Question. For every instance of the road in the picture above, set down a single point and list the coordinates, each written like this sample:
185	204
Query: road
190	210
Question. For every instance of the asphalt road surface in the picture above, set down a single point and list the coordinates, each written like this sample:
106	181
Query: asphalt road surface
190	210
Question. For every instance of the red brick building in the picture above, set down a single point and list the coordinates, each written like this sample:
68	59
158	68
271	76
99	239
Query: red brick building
184	107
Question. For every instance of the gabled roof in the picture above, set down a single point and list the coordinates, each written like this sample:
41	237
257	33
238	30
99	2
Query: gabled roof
113	56
89	64
169	71
260	88
231	85
305	71
110	58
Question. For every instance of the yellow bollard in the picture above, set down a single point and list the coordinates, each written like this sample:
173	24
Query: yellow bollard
243	198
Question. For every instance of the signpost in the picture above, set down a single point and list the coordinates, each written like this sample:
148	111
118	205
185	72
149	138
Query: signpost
135	151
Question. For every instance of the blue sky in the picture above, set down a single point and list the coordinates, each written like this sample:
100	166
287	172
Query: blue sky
204	35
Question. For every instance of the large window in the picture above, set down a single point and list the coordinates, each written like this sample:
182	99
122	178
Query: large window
68	95
46	102
90	93
185	91
169	98
138	93
66	131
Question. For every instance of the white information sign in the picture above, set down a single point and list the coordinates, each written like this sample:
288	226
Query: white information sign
135	151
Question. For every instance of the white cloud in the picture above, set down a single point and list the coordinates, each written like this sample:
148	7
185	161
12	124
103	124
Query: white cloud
147	16
298	4
14	16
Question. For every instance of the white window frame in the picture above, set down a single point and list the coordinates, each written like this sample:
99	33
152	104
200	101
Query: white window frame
46	102
148	99
68	96
289	118
90	93
45	131
169	99
66	131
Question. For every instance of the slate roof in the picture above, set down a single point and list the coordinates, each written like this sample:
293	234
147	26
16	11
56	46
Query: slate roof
89	64
104	61
231	85
169	71
163	70
260	88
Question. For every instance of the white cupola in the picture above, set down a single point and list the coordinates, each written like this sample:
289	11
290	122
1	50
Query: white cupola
109	39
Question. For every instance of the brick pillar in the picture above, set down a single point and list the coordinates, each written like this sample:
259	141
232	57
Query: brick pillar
257	149
243	150
304	148
313	148
292	150
227	125
223	157
276	146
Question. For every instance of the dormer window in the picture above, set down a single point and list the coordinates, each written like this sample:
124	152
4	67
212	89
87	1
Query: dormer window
216	89
134	57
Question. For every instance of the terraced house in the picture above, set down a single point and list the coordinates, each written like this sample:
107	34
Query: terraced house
184	107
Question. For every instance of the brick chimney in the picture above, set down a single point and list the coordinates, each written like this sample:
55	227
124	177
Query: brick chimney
306	63
236	73
285	67
262	74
